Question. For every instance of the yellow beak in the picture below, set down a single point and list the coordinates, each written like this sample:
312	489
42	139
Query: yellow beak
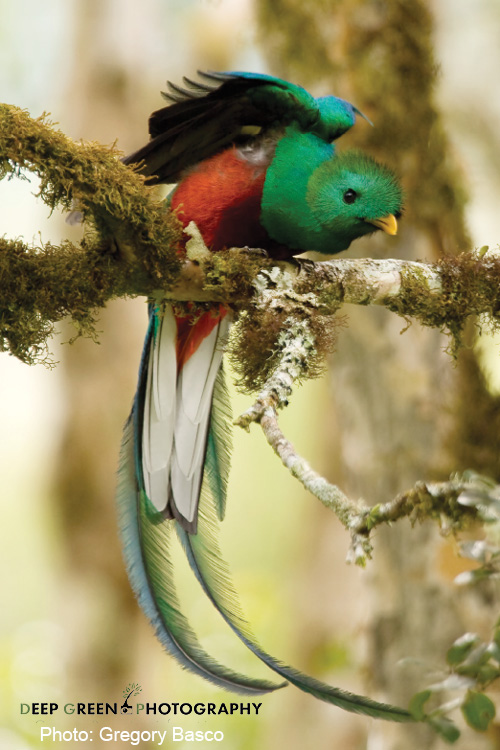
388	224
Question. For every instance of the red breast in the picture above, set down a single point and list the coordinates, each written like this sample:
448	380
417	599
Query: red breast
222	195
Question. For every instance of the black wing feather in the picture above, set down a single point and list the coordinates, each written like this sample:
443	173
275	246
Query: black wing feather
200	122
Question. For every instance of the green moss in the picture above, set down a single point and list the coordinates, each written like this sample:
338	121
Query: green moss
129	246
231	273
42	285
112	197
471	285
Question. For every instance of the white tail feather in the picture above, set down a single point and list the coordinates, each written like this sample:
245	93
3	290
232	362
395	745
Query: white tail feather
177	416
159	412
165	365
196	381
194	404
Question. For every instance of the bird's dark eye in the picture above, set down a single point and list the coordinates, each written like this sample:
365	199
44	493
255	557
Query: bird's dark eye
350	196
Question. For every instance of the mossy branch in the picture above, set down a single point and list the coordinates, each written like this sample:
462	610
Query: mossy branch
287	311
130	248
129	245
113	199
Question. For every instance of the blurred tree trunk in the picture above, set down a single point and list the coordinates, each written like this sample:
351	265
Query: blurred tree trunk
108	98
400	408
98	383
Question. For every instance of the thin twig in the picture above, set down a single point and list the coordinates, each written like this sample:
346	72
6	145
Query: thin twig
437	500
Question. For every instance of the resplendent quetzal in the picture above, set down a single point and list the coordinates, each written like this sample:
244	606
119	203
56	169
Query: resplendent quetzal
255	166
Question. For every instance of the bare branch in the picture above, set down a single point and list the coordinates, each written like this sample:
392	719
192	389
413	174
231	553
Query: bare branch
440	501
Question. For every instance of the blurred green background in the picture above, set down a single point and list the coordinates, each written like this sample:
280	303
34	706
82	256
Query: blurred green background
69	628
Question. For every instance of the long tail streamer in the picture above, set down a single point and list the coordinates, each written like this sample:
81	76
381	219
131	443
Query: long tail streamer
146	543
204	555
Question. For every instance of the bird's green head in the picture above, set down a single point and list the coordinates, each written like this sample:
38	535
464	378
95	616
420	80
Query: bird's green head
315	198
351	195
